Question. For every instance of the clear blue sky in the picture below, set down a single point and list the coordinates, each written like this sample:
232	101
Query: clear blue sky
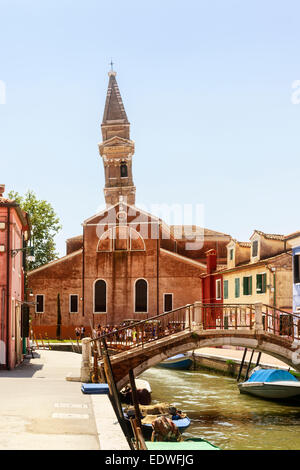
207	87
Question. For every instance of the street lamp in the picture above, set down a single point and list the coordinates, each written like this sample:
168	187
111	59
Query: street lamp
30	256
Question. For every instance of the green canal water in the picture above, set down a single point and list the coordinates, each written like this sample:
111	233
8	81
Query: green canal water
221	415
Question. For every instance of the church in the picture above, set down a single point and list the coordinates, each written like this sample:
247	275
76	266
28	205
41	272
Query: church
126	264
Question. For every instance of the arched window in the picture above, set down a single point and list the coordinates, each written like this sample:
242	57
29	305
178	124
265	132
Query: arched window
124	170
141	296
121	238
100	296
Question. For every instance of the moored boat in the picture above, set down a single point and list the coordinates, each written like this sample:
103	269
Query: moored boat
143	393
188	444
180	361
151	413
274	384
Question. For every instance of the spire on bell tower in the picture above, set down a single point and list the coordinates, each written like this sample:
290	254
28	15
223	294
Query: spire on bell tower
116	149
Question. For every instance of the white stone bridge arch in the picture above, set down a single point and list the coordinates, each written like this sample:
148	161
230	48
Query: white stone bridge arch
255	327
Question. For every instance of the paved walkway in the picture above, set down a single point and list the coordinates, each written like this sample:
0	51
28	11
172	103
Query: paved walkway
237	355
40	409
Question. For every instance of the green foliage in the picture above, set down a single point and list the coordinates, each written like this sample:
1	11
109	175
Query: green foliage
45	225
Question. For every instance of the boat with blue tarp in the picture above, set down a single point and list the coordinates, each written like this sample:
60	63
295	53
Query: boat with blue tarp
275	384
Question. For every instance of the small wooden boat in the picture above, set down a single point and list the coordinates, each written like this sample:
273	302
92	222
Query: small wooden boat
188	444
150	413
182	424
180	361
274	384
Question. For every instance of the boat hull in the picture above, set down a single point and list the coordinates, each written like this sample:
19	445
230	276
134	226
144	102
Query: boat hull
181	361
271	390
182	425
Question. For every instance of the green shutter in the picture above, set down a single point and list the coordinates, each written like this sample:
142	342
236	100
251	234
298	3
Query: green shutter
259	283
237	287
264	283
245	285
250	285
226	289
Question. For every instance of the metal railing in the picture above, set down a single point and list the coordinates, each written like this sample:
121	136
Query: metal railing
280	322
206	316
228	316
142	332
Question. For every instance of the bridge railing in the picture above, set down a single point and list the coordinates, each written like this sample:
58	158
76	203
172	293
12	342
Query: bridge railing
228	316
280	322
139	333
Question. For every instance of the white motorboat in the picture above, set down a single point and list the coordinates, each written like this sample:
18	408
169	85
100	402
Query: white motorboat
275	384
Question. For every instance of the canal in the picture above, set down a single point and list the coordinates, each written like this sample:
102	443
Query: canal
221	415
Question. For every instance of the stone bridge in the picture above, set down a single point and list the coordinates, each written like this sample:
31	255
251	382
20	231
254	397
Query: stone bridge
255	327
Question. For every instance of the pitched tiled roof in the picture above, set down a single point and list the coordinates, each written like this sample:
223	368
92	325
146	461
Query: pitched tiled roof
190	231
271	236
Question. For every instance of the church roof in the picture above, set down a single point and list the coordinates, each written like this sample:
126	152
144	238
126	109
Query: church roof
114	109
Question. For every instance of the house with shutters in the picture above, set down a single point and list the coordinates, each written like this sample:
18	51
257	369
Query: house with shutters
14	235
126	263
259	271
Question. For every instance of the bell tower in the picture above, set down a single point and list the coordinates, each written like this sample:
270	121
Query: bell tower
116	149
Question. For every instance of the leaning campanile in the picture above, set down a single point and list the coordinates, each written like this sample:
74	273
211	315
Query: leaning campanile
116	149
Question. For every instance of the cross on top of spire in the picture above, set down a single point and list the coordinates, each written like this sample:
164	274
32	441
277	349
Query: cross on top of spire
112	72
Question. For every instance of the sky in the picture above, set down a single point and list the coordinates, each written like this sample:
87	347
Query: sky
209	87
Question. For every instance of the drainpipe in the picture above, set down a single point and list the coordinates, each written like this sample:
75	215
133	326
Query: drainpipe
7	288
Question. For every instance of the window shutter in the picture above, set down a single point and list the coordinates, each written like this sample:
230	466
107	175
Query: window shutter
226	289
264	283
245	285
250	285
237	287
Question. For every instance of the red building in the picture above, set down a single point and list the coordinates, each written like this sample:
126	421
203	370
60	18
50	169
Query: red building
212	289
14	233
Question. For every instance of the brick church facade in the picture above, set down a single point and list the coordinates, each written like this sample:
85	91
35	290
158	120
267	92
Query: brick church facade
126	264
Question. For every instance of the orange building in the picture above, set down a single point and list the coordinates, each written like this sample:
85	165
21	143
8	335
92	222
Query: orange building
127	264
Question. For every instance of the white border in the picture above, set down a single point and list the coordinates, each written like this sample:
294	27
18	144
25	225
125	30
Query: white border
43	295
70	303
219	281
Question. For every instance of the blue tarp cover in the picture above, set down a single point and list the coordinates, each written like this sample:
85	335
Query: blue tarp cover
271	375
97	389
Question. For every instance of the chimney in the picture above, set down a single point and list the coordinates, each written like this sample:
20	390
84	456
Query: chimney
211	261
2	189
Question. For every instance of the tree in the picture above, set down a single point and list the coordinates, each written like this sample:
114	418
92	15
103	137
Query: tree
45	224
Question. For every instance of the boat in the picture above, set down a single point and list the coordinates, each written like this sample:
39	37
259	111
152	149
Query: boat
180	361
151	412
143	389
188	444
182	424
275	384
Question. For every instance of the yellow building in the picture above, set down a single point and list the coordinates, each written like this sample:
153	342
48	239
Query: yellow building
258	271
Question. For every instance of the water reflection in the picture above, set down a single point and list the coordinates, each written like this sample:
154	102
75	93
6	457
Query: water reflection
220	414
